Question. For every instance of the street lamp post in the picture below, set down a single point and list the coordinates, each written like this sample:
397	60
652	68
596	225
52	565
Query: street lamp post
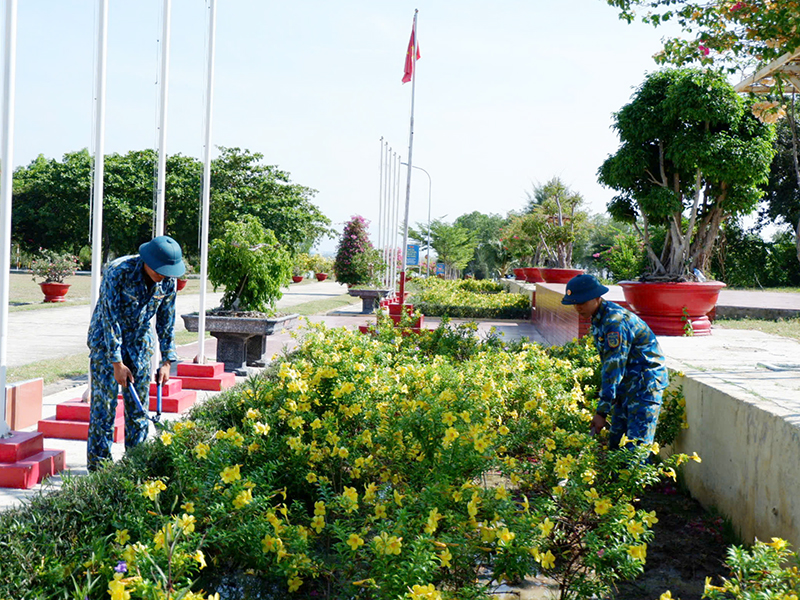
428	259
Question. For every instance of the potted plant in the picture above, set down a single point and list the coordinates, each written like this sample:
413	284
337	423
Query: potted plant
252	266
692	155
300	267
53	267
358	264
321	266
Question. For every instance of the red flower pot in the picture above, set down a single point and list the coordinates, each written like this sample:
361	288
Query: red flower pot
533	274
560	275
395	310
321	276
180	284
54	292
519	274
297	278
674	308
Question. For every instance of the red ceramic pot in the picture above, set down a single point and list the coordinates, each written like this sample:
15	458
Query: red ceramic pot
54	292
395	309
674	308
533	275
560	275
519	274
180	284
321	276
297	278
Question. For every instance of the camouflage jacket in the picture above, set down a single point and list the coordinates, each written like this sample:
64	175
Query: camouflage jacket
121	319
633	365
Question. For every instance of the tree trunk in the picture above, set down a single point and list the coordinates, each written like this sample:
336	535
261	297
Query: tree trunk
793	128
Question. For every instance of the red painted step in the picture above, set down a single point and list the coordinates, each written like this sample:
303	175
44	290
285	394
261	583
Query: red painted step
76	410
77	430
20	445
173	386
188	369
174	403
25	474
217	383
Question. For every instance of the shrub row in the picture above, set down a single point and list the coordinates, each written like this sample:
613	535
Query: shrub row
438	298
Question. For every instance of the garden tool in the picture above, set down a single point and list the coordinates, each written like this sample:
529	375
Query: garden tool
156	419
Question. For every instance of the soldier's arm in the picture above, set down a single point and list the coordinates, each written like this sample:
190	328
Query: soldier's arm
165	327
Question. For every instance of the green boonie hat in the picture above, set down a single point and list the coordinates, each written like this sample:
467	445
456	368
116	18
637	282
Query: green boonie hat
583	288
164	256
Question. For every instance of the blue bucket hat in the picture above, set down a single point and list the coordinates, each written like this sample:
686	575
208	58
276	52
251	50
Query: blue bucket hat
583	288
164	256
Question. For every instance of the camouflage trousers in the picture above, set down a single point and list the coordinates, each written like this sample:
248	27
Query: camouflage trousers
103	411
636	417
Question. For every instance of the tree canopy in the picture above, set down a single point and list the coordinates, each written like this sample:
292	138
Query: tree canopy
52	201
692	154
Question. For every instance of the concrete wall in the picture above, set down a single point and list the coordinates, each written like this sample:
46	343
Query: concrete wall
750	448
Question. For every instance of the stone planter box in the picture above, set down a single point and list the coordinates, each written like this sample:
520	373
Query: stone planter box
241	341
370	299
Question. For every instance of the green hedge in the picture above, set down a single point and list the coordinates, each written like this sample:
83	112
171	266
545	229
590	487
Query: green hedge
469	299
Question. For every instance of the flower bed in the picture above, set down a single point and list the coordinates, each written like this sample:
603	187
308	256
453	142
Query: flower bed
356	467
469	299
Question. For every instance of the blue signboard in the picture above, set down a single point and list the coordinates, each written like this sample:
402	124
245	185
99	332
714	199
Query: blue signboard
440	268
412	255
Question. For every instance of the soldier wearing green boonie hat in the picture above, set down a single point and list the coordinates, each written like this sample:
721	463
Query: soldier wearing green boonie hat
634	372
134	289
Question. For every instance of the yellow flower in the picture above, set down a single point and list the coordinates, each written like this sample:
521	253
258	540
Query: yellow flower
295	583
588	476
503	430
261	428
369	493
319	508
351	496
650	518
116	588
201	450
481	444
153	488
445	557
635	528
602	506
186	522
158	539
638	552
380	511
230	474
666	596
343	452
318	523
655	449
501	493
243	498
778	543
695	457
355	542
450	436
591	495
448	418
505	536
122	537
548	560
311	477
546	526
465	416
398	498
423	592
200	558
166	438
549	444
433	521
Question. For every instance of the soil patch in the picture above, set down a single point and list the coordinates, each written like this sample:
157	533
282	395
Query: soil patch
690	544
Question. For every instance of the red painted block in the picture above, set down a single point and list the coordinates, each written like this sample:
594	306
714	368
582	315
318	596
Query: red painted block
20	445
175	403
24	403
77	430
215	384
187	369
76	410
26	473
173	386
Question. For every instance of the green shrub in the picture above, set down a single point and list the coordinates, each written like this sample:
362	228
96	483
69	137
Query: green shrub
444	298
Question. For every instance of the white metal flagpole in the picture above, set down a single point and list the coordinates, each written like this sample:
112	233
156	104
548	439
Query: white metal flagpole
162	127
380	202
206	207
413	49
6	181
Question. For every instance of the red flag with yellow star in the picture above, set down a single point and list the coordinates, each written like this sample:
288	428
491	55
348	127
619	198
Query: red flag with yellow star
410	60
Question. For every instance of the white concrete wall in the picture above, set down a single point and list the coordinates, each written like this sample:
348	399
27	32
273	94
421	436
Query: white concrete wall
750	450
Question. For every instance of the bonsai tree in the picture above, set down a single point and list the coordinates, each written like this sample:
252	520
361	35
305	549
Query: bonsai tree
301	264
522	239
692	155
53	267
251	265
357	262
555	218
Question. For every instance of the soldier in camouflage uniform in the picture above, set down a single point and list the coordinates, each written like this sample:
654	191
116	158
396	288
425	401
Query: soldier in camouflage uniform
634	373
133	290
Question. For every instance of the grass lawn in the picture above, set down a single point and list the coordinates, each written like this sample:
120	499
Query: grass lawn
789	328
25	294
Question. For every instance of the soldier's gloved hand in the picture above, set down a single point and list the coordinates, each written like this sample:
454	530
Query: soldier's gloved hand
599	423
122	374
162	375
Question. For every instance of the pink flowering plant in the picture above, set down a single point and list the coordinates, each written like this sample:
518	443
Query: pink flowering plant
53	267
357	262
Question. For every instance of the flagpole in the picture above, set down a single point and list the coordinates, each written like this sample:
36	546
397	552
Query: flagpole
415	39
380	202
6	184
162	128
206	205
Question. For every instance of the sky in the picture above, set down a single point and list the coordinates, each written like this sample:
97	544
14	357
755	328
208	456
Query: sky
508	94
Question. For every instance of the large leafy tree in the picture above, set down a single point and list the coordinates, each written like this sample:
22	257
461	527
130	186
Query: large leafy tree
488	258
52	201
732	32
557	210
692	154
454	244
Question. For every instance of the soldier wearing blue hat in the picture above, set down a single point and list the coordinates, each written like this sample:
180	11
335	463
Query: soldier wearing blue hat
133	290
634	372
